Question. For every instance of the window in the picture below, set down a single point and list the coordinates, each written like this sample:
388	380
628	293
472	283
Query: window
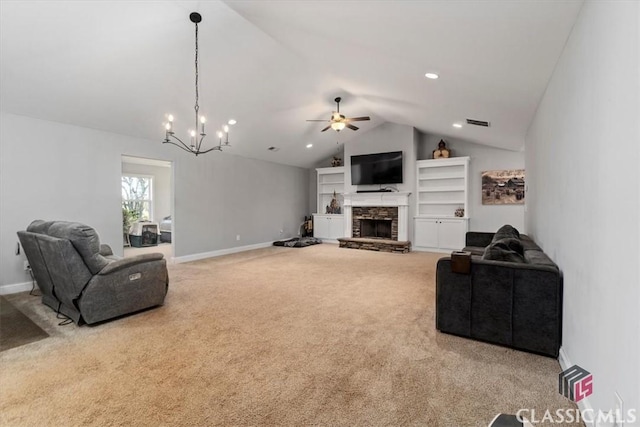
137	198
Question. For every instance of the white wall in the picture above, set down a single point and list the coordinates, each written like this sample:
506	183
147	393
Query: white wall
383	138
161	186
51	170
482	217
582	166
418	146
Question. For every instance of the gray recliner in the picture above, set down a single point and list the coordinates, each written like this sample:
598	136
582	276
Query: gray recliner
83	280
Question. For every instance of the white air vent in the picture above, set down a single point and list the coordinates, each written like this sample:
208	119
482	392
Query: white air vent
478	123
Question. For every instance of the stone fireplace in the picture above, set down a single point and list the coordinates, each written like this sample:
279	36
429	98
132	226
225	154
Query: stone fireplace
377	221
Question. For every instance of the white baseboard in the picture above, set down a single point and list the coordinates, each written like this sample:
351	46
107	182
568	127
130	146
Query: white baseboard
204	255
15	288
584	404
433	250
26	286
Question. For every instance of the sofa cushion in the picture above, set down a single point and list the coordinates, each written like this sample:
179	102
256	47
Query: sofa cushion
538	257
509	249
504	232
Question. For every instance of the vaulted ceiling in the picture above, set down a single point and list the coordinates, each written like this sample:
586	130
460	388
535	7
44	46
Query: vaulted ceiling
121	66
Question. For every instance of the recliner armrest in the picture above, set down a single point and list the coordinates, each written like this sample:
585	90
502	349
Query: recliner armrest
105	250
129	262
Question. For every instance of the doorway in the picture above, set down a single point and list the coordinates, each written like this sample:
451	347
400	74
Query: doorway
147	206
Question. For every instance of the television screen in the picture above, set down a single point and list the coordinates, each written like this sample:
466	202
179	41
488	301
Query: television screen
379	168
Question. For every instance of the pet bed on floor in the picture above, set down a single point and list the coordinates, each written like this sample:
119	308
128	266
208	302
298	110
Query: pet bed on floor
298	242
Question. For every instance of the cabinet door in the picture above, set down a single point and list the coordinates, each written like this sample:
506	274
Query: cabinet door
336	227
451	233
426	233
320	227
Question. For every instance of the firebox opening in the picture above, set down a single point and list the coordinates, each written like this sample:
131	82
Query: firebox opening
375	228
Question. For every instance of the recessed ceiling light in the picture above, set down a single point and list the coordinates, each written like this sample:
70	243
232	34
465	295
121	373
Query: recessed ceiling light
432	76
309	145
232	121
457	125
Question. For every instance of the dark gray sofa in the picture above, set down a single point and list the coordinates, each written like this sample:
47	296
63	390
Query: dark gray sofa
516	304
83	280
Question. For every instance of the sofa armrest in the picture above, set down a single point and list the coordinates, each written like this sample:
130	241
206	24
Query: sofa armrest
507	303
105	250
478	239
123	263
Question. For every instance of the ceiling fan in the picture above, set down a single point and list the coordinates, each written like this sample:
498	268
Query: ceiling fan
339	121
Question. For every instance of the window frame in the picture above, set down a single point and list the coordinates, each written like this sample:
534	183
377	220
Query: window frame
151	189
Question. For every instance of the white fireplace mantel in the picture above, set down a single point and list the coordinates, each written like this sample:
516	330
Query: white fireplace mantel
399	199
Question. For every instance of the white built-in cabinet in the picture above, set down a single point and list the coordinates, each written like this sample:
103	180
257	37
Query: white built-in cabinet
330	181
442	234
328	226
442	188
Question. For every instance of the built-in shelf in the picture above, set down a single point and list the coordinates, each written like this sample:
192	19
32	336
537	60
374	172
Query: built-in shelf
330	182
447	202
443	176
442	190
442	186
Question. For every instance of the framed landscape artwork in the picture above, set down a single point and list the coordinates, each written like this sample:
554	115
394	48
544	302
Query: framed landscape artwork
503	187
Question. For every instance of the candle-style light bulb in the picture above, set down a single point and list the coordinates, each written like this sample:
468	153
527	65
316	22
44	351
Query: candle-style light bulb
226	131
193	139
167	131
202	121
170	118
219	134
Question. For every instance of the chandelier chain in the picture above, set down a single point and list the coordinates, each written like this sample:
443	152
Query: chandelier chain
197	75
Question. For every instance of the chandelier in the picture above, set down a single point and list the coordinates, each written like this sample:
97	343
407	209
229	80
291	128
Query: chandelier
195	143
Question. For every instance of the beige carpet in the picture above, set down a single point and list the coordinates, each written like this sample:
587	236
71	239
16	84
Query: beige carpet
278	336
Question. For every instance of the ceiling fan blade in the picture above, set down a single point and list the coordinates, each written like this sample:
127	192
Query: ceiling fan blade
352	127
358	119
328	127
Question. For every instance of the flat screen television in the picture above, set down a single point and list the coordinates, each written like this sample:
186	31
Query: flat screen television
379	168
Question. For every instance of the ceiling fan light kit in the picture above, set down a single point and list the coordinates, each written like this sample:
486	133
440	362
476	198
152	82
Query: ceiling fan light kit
338	126
195	143
339	121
